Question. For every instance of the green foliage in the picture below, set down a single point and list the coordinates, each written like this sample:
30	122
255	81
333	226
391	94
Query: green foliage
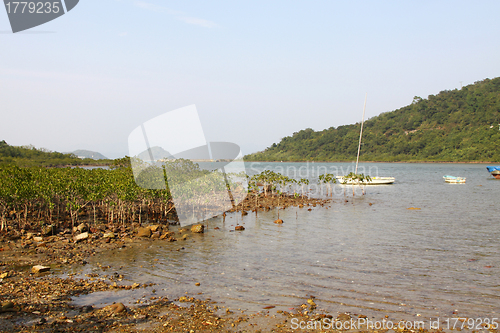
273	180
456	125
70	190
356	179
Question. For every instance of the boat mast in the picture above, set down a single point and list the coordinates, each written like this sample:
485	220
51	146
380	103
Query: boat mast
360	134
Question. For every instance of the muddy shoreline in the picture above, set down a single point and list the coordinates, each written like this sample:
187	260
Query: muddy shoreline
42	301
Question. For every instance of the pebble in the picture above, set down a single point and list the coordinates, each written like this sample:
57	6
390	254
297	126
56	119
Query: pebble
81	237
154	228
109	235
198	228
144	232
39	269
117	307
7	306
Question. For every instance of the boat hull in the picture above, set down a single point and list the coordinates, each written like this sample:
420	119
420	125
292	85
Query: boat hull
374	181
494	170
454	180
496	174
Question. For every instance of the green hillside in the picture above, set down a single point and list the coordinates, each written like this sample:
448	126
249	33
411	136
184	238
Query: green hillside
31	156
456	125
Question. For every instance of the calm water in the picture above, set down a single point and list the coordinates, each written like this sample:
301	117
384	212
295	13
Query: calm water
370	259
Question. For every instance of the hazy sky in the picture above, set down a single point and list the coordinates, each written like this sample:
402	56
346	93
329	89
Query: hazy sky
256	70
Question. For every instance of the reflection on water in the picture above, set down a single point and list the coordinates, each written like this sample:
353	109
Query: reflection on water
370	259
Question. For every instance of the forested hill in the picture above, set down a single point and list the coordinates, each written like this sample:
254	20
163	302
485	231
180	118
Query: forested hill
31	156
456	125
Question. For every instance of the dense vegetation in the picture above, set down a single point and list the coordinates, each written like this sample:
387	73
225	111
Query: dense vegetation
456	125
37	198
31	156
31	197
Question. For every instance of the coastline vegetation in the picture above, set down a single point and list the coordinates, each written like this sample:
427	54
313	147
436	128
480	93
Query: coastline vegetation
30	156
37	198
452	126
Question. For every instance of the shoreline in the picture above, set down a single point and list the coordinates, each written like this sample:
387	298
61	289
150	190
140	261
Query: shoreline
37	291
415	162
44	301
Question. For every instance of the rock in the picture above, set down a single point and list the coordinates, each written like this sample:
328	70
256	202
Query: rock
29	235
142	317
311	302
7	306
144	232
155	235
197	284
343	317
36	322
279	221
184	237
87	308
239	227
82	227
117	307
4	275
154	228
38	239
39	269
81	237
167	235
49	230
243	213
109	235
197	228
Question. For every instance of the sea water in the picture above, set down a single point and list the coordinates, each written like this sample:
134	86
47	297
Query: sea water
419	248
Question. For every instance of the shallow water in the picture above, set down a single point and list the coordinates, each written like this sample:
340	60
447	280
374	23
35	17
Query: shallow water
440	261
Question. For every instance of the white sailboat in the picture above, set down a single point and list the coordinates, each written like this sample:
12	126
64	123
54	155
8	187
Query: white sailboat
372	180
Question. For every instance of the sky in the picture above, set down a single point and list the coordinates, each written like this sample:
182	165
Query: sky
257	71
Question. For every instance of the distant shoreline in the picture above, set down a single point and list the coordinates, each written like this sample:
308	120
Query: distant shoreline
437	162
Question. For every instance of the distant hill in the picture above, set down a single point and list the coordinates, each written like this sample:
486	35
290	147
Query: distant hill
454	125
81	153
156	152
31	156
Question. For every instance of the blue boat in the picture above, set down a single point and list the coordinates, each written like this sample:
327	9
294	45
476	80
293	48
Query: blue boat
494	170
